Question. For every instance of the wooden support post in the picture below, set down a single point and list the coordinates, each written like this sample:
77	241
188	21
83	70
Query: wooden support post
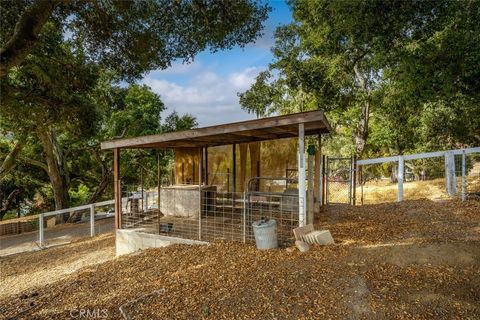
228	180
401	170
254	148
310	196
301	175
117	188
206	166
234	170
243	149
200	151
159	185
193	169
183	173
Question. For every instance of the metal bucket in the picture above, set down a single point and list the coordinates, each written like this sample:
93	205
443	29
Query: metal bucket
265	232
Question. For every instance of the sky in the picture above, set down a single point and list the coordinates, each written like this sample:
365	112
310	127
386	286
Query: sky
207	88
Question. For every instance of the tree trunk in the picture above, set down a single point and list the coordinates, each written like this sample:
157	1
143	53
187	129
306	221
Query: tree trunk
9	163
25	34
361	133
104	183
7	203
56	168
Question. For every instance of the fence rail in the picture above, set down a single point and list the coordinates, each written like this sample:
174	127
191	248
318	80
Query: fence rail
459	170
59	224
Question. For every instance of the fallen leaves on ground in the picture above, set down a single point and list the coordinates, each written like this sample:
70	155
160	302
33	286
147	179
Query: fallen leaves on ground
412	260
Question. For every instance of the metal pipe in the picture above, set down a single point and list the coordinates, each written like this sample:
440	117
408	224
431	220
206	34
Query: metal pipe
401	167
142	186
355	172
244	218
92	220
41	235
464	164
327	172
301	175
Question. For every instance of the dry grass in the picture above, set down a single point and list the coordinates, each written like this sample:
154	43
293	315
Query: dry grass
411	260
382	191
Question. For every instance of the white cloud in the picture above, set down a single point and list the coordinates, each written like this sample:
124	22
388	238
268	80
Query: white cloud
208	96
244	79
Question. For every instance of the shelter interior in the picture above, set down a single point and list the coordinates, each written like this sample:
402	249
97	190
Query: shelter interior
225	177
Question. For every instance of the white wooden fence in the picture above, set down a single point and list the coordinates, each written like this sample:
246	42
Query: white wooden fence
449	167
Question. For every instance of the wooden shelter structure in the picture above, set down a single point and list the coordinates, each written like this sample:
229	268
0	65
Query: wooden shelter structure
199	140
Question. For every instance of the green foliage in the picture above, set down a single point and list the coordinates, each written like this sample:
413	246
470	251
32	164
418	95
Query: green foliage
51	88
79	196
393	77
59	94
132	37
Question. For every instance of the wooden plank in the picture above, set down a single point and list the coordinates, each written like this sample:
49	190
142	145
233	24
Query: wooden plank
234	164
315	120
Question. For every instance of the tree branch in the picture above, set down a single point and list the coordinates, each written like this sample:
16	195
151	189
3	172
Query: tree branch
35	163
25	34
9	163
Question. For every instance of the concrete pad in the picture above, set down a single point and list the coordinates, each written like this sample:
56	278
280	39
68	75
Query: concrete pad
131	240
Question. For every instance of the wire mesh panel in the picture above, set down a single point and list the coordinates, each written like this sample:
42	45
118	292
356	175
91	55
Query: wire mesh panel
426	179
282	207
63	227
472	176
377	183
434	176
223	216
339	176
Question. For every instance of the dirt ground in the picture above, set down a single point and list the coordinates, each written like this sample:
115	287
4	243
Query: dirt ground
411	260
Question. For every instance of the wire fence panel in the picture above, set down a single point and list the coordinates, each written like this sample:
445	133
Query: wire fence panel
472	176
339	177
377	183
433	176
426	179
282	207
223	216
